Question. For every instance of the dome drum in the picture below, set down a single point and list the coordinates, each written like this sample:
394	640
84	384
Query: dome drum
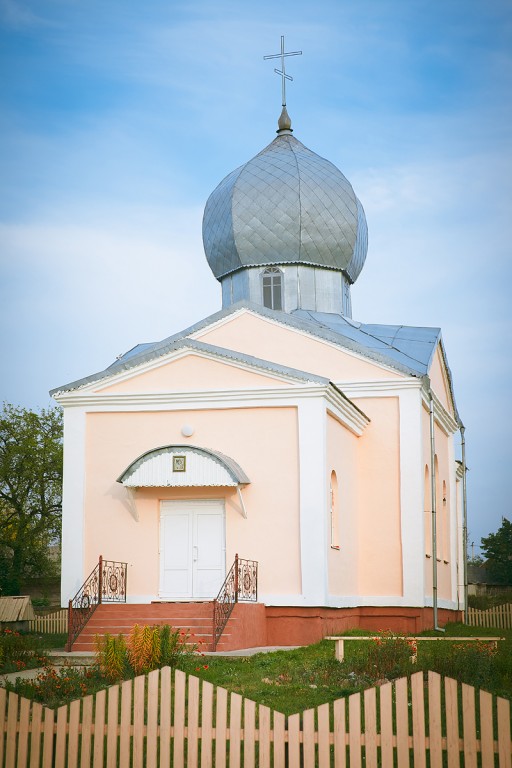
302	287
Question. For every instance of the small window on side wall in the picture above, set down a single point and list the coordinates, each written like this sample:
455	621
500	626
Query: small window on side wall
335	513
272	288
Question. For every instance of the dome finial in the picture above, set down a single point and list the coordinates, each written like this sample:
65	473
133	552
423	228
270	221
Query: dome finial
284	124
284	78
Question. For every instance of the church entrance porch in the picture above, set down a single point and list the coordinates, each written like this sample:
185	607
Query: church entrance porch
192	549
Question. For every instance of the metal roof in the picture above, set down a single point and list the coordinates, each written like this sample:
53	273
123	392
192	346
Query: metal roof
410	346
286	205
207	468
17	608
407	349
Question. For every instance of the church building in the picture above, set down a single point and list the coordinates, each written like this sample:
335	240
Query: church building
312	452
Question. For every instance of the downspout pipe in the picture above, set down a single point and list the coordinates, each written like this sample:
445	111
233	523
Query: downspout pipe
464	521
434	508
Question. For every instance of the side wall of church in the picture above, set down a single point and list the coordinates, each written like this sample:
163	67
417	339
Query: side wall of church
446	515
378	500
342	524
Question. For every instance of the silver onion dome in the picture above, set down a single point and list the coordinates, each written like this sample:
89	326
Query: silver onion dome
287	205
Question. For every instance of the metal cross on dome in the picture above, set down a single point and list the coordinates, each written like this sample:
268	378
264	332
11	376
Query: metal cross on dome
282	72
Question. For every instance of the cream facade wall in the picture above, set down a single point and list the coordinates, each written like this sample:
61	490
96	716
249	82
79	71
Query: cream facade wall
379	504
270	534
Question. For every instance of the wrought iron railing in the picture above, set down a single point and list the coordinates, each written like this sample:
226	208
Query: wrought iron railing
241	584
105	584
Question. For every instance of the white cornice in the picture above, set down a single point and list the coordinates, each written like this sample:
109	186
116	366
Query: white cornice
442	417
377	387
351	416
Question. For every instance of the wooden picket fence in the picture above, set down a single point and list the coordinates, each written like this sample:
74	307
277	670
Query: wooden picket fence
50	623
500	617
161	720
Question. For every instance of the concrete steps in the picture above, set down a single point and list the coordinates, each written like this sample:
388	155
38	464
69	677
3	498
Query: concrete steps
193	619
245	628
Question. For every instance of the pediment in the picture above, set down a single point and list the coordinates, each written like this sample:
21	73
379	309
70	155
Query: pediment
260	336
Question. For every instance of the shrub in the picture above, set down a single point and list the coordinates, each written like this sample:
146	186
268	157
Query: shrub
472	663
147	648
18	651
111	656
386	656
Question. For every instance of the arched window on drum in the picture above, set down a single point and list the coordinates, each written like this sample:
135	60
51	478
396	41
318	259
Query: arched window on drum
272	288
335	512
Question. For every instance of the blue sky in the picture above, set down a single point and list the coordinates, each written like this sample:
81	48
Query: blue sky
118	118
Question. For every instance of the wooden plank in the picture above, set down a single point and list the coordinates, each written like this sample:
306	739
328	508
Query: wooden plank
220	726
193	722
23	733
165	717
206	725
112	725
139	690
249	733
435	731
178	724
85	752
264	736
12	723
469	726
370	727
35	736
452	722
60	742
418	720
279	751
152	723
49	719
294	741
3	705
386	725
126	723
74	728
354	730
486	730
324	745
308	738
99	728
402	723
504	745
340	733
235	726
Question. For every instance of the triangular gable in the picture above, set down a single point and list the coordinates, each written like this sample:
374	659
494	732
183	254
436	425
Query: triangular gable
189	371
268	338
189	365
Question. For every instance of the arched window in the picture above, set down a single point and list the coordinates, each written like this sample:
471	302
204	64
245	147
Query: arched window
446	527
272	288
335	522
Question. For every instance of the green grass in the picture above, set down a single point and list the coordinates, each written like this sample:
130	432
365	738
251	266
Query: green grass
291	681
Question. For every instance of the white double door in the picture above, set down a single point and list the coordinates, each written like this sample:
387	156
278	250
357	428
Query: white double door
192	549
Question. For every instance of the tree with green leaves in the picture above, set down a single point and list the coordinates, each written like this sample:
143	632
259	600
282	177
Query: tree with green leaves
497	549
30	493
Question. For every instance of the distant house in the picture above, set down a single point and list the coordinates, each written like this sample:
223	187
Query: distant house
278	428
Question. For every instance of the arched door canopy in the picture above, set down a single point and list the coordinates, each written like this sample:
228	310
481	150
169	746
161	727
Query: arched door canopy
182	466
